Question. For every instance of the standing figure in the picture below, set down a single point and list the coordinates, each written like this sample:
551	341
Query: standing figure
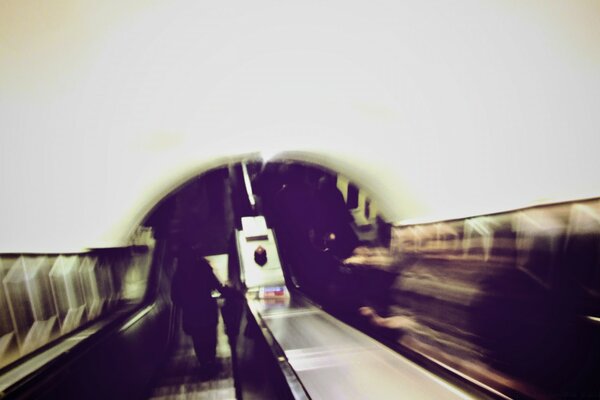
334	221
193	284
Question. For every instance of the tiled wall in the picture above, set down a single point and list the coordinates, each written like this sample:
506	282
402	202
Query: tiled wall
43	297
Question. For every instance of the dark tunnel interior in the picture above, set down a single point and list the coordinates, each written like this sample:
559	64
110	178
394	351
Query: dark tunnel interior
505	307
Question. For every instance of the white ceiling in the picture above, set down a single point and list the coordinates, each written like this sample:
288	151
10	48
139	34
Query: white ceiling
440	109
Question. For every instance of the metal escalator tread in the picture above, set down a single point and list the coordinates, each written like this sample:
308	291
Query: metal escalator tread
180	377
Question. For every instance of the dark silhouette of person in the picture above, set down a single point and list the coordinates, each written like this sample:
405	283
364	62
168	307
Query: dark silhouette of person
192	287
334	221
314	231
294	217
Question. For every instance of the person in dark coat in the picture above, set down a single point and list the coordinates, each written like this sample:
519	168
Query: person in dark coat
192	287
334	221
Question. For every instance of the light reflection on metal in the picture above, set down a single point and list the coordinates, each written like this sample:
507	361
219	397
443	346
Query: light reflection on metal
32	309
44	297
68	292
333	359
594	319
248	185
138	317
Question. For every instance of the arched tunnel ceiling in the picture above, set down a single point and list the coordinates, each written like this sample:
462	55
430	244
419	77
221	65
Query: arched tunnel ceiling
441	109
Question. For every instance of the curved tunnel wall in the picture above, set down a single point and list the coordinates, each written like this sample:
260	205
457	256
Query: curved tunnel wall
456	106
145	202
